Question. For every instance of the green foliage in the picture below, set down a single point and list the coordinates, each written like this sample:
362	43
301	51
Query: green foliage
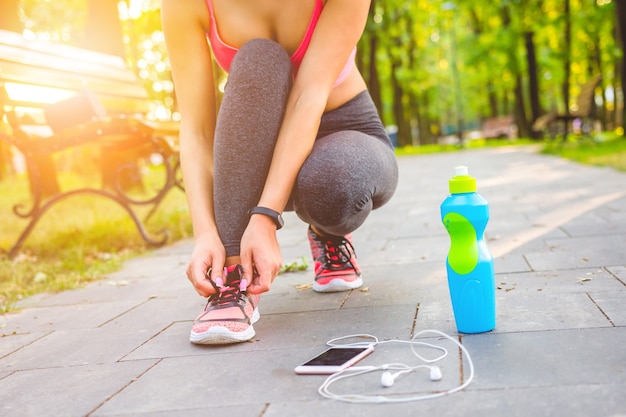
78	241
301	264
146	52
490	52
421	41
610	151
59	21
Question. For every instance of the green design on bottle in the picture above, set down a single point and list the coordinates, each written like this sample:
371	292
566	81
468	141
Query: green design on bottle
463	255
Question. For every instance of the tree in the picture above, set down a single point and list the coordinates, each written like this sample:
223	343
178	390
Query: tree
103	30
567	47
9	20
9	15
368	61
621	23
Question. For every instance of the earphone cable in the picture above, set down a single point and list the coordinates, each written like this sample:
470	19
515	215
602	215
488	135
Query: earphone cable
324	389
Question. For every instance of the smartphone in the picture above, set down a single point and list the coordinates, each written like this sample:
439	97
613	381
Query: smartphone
333	360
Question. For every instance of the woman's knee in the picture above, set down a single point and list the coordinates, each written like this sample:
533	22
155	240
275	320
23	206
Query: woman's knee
261	58
344	178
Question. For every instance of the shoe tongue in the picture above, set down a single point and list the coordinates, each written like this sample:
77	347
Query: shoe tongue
234	269
234	278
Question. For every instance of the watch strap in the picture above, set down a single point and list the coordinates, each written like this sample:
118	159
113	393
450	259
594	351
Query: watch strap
276	216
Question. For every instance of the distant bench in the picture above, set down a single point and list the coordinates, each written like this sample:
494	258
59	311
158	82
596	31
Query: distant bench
55	97
552	123
502	127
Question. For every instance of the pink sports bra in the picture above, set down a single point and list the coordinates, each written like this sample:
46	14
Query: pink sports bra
225	53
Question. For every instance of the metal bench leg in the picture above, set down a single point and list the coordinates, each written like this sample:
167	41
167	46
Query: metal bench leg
40	211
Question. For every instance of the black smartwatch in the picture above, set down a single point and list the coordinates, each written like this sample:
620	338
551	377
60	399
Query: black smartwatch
278	219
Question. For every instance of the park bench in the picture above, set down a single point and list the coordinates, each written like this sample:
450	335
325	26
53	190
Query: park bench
56	98
502	127
554	123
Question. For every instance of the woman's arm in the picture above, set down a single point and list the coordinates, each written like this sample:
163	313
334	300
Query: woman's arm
192	73
338	30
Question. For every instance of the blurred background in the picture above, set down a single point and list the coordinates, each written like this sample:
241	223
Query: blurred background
442	74
437	70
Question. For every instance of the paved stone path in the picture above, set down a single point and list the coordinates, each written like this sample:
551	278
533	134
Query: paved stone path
558	234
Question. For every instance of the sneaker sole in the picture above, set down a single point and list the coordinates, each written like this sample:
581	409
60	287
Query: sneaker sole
337	285
220	335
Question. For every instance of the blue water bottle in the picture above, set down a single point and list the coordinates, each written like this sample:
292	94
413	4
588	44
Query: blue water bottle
471	279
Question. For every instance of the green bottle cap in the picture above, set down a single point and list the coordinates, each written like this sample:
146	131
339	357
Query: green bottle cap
462	182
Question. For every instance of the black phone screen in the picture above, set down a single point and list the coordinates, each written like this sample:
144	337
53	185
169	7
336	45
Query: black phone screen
335	357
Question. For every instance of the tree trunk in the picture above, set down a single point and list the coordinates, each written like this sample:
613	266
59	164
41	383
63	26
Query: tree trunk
533	80
9	16
520	109
621	23
103	33
404	127
596	66
373	78
9	20
423	121
568	55
519	105
371	72
103	29
493	100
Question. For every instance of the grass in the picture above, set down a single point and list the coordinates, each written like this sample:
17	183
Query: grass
78	240
472	144
85	237
609	150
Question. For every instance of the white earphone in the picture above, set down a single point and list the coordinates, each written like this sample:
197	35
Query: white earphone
390	372
387	379
435	373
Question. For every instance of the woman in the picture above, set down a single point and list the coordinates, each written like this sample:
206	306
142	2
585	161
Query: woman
296	130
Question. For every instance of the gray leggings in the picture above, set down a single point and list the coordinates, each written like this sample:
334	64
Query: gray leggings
350	171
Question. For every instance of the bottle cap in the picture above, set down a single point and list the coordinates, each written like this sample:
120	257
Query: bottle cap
462	182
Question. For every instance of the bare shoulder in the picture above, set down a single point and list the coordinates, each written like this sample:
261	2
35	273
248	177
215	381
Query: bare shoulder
185	13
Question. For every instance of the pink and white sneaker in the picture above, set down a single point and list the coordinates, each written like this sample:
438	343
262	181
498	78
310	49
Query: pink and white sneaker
229	313
336	268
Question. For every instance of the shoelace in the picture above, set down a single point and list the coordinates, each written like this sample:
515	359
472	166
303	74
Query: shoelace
229	294
337	253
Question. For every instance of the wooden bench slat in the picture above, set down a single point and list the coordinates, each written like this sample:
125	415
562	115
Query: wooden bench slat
12	72
9	54
57	50
116	105
58	97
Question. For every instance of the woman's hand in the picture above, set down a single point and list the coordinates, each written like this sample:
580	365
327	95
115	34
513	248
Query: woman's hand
260	253
208	254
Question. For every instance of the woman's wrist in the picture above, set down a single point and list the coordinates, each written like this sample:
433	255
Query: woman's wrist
274	215
263	221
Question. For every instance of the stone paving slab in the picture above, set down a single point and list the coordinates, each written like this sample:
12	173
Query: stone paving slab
543	359
68	390
286	331
119	347
580	252
612	305
583	400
